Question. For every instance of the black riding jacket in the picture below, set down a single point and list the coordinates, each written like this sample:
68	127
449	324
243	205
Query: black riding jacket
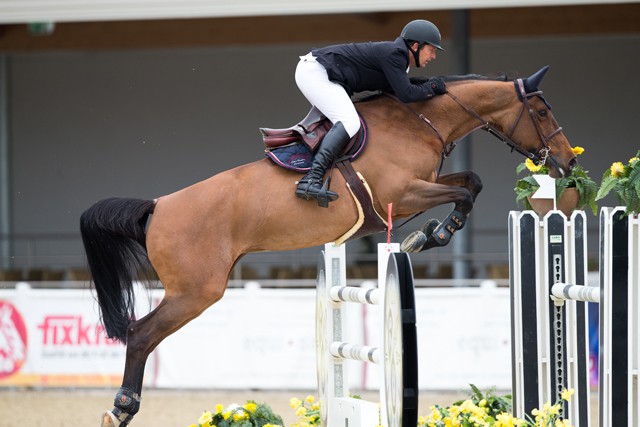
372	66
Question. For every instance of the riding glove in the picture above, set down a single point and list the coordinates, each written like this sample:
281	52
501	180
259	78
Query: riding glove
437	85
434	86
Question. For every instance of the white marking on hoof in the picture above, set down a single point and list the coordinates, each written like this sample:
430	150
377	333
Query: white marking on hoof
109	420
414	242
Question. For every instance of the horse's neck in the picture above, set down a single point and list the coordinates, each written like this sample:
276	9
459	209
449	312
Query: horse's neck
488	101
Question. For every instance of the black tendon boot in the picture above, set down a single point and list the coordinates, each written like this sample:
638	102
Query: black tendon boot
310	186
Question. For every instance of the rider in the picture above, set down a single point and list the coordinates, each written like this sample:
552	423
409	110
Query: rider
328	77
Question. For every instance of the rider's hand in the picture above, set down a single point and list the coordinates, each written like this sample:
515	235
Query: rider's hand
437	86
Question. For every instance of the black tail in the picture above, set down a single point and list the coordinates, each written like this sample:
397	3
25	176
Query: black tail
114	240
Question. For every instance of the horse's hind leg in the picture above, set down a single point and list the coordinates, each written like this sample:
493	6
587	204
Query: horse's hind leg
173	312
435	233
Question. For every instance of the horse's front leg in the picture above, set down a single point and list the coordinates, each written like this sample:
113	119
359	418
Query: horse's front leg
467	179
459	188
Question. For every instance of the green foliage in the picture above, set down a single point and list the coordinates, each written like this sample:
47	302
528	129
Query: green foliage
251	414
624	181
587	188
579	178
495	405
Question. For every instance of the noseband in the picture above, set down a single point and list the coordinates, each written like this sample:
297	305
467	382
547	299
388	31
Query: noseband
540	156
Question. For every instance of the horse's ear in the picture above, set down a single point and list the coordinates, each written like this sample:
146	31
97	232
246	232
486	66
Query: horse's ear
531	83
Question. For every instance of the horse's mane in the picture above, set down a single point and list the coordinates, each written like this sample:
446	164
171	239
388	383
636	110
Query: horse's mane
501	77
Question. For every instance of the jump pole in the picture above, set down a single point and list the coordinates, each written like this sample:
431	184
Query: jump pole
396	359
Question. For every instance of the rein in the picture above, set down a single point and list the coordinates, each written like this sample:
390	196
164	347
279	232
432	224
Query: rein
539	157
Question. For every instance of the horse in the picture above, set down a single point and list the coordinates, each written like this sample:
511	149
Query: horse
193	238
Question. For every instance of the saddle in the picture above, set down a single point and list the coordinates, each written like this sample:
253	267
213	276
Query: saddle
292	148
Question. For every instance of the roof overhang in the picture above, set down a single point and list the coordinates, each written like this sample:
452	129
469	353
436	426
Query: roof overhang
30	11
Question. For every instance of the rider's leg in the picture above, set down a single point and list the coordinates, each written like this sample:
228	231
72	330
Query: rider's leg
310	186
334	102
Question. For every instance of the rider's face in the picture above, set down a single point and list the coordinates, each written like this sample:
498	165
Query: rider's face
427	54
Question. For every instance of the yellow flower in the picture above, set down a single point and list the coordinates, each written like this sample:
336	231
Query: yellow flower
315	406
532	166
240	415
309	399
482	403
301	411
566	394
251	407
617	169
192	425
435	413
504	420
577	150
454	411
547	409
633	160
226	415
295	403
562	423
205	418
219	408
467	406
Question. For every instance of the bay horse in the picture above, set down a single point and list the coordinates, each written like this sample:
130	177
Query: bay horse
194	237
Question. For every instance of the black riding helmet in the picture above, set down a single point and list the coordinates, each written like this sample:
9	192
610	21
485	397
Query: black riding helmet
423	32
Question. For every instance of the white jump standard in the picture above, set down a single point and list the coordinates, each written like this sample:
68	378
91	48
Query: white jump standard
397	358
548	270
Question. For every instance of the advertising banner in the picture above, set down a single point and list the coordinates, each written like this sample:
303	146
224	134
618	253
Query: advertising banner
53	338
253	338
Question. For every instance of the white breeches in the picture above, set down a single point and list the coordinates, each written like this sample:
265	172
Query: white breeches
328	97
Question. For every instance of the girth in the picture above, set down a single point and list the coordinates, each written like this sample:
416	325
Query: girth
372	223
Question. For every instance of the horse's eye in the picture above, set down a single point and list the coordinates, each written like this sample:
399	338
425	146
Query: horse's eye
542	113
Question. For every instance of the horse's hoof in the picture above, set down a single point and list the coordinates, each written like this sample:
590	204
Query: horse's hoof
430	226
109	420
414	242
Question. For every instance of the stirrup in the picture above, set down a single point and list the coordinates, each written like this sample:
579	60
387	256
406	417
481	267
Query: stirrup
323	195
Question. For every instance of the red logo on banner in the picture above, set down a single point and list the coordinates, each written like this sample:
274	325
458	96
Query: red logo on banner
13	340
72	330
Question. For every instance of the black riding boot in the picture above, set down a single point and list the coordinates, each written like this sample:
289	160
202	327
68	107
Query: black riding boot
310	186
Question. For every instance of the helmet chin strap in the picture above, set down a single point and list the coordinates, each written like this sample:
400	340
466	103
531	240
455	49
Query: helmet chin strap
416	56
416	53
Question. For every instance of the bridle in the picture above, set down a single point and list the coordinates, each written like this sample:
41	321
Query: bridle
539	157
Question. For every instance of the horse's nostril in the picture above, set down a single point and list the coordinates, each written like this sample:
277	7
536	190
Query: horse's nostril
573	163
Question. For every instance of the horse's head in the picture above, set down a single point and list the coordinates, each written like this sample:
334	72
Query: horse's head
536	132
